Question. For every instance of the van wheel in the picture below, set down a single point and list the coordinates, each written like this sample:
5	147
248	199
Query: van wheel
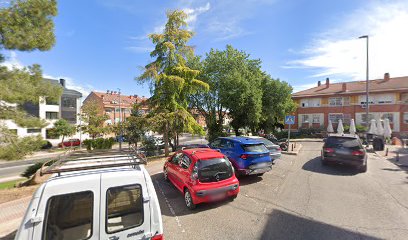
189	200
165	176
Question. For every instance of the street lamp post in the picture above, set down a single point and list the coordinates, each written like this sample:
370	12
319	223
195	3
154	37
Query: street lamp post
367	104
120	123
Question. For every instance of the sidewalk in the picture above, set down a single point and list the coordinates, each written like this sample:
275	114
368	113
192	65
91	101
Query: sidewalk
396	154
11	214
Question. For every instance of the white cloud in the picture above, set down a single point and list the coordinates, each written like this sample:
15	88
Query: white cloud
339	52
193	13
12	61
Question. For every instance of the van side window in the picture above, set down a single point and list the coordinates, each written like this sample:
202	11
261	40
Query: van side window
125	208
69	216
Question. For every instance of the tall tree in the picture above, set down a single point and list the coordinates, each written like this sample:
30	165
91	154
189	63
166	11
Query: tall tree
276	102
25	26
135	126
94	119
64	129
234	81
171	80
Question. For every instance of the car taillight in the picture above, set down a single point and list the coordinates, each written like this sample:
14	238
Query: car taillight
328	150
158	237
279	149
244	156
357	153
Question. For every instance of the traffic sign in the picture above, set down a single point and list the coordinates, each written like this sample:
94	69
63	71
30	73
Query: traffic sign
290	120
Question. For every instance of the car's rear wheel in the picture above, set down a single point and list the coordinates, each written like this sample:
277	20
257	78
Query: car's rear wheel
232	198
189	200
363	168
165	176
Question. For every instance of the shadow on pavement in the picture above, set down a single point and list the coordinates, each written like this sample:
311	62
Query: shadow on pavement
251	179
283	225
171	200
315	165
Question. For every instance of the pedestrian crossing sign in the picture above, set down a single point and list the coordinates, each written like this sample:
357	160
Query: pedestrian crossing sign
290	120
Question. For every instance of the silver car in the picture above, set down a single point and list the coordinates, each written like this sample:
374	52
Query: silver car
274	150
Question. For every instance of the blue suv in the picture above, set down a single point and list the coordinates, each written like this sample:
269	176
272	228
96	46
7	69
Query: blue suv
248	156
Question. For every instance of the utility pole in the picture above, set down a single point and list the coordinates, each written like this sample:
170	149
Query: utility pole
120	123
367	103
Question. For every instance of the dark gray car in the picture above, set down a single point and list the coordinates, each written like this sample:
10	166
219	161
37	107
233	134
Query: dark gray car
344	149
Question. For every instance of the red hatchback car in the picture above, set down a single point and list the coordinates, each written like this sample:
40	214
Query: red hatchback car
202	175
70	143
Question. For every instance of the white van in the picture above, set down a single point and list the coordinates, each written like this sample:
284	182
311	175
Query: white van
98	197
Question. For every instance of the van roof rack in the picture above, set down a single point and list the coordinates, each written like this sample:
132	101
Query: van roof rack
95	160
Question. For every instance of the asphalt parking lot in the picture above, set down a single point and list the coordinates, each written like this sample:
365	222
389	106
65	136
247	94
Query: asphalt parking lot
298	199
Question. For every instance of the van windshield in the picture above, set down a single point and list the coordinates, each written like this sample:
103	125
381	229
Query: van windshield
214	169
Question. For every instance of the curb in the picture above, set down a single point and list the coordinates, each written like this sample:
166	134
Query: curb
295	152
391	161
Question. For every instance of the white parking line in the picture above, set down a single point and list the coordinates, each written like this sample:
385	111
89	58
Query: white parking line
169	206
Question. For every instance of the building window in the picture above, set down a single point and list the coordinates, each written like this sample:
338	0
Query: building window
124	208
33	130
310	102
385	99
70	116
68	102
305	118
51	115
406	118
69	216
108	110
335	117
117	110
364	117
316	118
51	102
390	117
336	101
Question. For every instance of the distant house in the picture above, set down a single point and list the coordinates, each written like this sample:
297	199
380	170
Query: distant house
67	107
109	102
388	98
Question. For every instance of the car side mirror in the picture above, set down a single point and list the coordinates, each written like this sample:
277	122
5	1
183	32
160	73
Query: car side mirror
168	159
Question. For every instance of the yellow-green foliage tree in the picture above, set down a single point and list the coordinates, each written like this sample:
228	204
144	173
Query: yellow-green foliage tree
171	81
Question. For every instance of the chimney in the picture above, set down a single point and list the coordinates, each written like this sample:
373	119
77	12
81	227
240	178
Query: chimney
319	83
327	82
386	76
62	82
344	87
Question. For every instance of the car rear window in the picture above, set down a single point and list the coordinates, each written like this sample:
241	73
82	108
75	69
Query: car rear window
214	170
254	148
335	142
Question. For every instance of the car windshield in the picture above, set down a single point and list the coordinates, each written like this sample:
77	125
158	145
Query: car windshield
214	169
260	147
336	142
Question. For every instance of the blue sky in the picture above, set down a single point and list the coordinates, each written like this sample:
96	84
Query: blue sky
101	44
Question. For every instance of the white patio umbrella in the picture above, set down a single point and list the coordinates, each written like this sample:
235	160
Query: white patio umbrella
387	128
380	129
340	128
373	127
330	127
352	127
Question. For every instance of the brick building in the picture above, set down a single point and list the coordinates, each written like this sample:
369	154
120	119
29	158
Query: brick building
388	98
109	102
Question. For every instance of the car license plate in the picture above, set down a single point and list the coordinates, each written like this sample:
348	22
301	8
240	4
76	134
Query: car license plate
218	196
342	151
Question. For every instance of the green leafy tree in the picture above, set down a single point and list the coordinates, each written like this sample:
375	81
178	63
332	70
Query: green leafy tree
276	102
235	89
25	26
135	126
64	129
171	80
94	119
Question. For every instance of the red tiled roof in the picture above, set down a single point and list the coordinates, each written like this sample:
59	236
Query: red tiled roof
110	97
378	85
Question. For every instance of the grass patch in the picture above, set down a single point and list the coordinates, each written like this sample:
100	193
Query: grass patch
10	184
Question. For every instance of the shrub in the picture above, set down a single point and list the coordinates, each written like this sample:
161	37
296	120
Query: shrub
31	170
21	147
99	143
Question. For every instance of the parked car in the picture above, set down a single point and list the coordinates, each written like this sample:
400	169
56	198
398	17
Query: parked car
202	175
70	143
92	199
46	145
194	145
248	156
344	149
274	150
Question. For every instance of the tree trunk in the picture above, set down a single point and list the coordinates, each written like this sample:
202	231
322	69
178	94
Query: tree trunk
62	142
177	137
236	130
166	140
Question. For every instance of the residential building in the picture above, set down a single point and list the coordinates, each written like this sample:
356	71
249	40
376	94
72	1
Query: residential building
388	98
67	107
109	102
